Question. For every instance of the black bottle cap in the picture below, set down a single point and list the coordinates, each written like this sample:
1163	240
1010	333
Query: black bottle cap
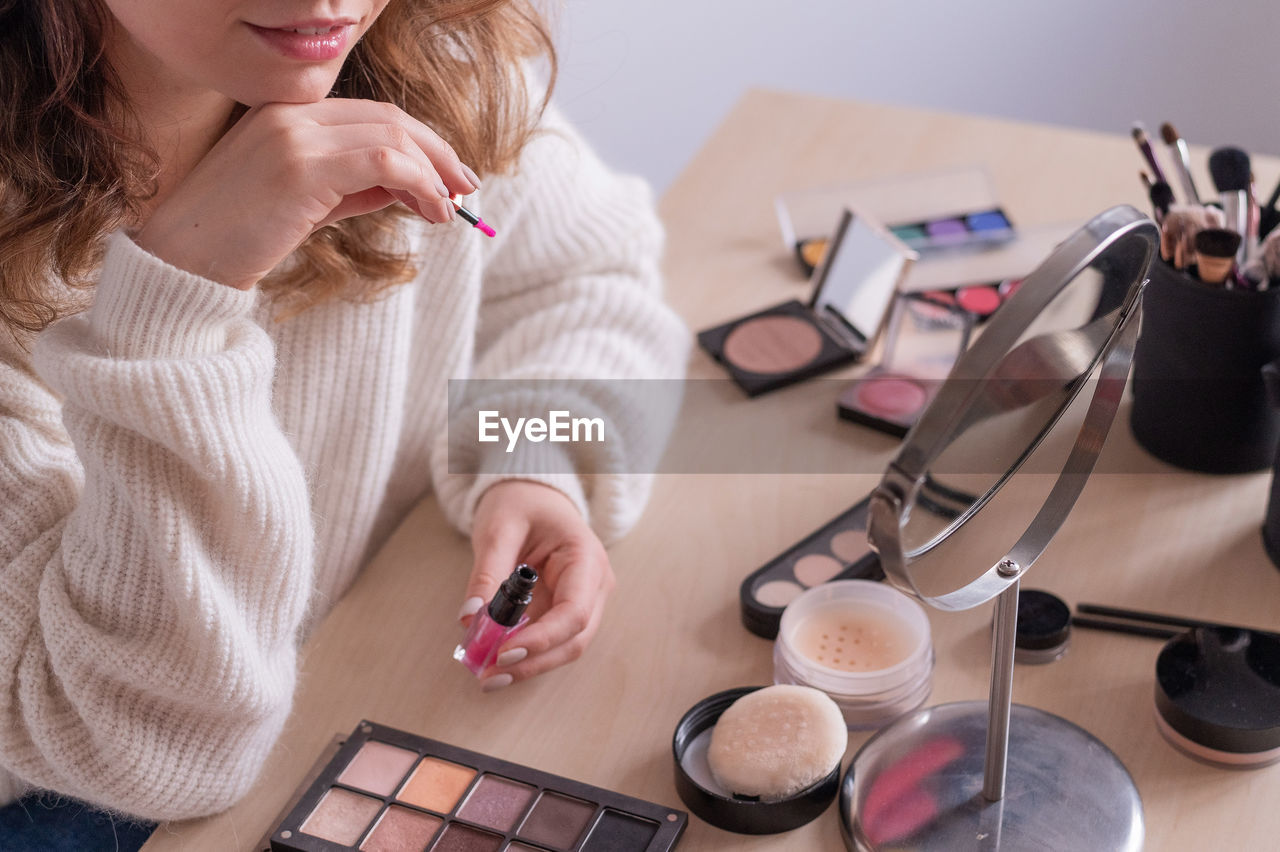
513	596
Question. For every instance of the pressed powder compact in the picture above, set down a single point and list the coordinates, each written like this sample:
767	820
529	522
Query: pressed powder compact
387	790
922	342
793	341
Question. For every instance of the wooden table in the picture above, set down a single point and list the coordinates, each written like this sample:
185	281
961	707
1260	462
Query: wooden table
1143	535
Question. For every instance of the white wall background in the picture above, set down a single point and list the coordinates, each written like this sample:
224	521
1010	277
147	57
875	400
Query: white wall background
647	80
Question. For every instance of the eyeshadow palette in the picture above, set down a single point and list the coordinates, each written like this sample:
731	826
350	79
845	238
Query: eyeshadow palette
792	341
978	300
975	229
390	791
835	551
980	229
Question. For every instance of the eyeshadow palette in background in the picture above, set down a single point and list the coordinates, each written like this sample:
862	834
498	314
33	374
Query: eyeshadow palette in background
977	230
387	790
835	551
978	300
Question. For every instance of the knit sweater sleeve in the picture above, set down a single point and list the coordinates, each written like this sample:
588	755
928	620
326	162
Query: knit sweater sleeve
572	292
156	546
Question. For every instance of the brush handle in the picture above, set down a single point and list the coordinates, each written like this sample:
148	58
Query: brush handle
1157	618
1182	165
1124	627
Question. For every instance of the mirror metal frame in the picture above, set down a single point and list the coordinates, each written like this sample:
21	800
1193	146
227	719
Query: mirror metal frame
907	473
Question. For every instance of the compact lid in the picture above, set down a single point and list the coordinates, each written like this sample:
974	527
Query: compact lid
1037	394
862	269
1220	688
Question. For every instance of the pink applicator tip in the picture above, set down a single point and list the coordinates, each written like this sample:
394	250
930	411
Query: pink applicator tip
476	221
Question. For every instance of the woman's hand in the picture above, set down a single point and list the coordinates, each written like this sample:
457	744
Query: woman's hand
285	170
518	521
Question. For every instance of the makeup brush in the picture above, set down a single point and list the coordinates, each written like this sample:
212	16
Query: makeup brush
1181	161
1144	145
1216	254
1161	195
1232	174
1179	229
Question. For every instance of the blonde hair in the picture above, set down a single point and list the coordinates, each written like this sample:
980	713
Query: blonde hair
72	168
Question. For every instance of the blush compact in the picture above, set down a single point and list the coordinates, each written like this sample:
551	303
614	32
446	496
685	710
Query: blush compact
793	341
923	340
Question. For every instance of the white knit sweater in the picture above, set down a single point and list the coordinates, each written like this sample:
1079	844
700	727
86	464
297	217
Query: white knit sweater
187	482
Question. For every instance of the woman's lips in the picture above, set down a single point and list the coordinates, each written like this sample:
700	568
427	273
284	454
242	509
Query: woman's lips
311	42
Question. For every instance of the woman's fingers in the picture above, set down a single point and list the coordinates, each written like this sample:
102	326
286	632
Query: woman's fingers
562	633
457	176
497	551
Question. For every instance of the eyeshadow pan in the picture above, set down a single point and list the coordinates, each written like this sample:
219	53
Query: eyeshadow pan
459	838
496	802
436	784
557	820
947	230
617	832
341	816
378	768
890	396
772	344
401	830
991	220
849	545
979	300
520	847
778	592
816	569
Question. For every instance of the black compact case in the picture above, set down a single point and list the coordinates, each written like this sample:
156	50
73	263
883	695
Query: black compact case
732	813
794	341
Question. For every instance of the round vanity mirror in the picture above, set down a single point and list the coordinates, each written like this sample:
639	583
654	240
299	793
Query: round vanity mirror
972	498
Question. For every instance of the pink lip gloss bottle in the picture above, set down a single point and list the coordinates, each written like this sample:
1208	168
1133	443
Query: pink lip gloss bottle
497	622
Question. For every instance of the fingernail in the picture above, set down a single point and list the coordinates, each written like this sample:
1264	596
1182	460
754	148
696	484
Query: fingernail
470	175
441	188
510	658
492	684
470	607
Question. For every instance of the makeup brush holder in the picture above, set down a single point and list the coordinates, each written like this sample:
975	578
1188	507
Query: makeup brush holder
1271	524
1199	401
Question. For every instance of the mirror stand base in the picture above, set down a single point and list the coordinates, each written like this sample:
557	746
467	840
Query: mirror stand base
918	784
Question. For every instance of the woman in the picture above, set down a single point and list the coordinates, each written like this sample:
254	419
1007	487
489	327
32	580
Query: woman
234	289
